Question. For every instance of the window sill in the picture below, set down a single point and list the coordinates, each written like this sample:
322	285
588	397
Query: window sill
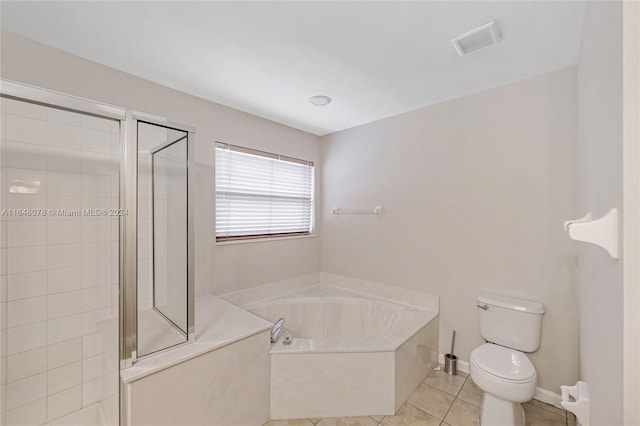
262	240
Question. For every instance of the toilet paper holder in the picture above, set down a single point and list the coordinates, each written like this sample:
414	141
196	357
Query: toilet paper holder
580	403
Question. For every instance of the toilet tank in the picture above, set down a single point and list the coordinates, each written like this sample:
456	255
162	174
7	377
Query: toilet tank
510	322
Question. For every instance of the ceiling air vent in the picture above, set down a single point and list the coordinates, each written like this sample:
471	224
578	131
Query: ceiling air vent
477	38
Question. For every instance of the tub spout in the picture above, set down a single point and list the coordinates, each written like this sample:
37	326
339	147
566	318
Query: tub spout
275	330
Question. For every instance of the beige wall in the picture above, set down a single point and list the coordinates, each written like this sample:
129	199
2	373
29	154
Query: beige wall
219	269
599	151
474	191
631	205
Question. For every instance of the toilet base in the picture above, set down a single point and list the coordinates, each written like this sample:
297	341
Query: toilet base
500	412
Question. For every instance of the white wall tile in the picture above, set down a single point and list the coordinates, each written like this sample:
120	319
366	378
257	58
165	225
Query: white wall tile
96	230
26	109
96	252
64	231
65	203
114	186
27	311
64	353
62	378
65	328
91	392
56	115
26	259
29	202
62	183
91	368
4	286
26	233
3	260
3	316
91	345
96	298
90	320
64	255
26	337
96	275
26	181
25	155
3	343
64	160
96	123
97	141
62	280
28	284
96	203
3	233
26	390
3	399
64	136
64	304
3	377
64	402
97	163
94	185
25	364
27	130
31	414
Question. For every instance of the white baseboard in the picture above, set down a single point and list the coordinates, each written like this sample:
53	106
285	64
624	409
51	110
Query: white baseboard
542	395
548	397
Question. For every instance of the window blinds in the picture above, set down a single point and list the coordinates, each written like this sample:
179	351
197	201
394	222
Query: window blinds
261	195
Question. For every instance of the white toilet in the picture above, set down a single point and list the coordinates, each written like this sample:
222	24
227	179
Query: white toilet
500	367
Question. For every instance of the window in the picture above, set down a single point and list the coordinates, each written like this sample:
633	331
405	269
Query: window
262	195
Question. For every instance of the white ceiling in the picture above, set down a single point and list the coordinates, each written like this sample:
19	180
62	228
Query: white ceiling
374	59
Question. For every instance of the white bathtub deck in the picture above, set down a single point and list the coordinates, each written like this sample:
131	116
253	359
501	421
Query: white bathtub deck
218	323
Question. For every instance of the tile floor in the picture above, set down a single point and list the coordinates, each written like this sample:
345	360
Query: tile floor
441	400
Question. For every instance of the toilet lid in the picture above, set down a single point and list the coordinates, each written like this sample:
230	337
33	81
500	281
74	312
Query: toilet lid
503	362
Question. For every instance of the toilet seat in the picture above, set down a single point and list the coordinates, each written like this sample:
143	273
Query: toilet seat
505	363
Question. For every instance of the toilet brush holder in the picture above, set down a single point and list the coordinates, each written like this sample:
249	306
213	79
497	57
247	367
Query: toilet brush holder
451	364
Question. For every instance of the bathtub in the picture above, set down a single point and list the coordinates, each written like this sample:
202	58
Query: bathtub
351	354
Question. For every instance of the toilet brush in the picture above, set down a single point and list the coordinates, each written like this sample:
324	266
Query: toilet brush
450	360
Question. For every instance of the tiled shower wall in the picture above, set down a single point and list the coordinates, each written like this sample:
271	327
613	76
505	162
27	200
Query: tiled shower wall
59	275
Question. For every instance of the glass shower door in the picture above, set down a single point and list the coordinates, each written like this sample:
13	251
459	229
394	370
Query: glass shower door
59	199
162	237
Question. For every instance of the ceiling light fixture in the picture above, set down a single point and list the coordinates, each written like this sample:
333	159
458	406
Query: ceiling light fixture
320	100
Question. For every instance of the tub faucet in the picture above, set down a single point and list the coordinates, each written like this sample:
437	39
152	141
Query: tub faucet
275	330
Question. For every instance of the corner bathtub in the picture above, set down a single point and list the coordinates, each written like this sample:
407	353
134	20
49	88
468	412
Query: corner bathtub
352	355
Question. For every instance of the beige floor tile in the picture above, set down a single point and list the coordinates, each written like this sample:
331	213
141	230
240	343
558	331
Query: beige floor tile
431	400
377	418
548	407
445	382
536	416
410	415
348	421
295	422
471	393
463	414
459	373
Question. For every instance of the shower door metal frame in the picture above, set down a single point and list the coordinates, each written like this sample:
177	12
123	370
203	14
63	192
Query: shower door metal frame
129	231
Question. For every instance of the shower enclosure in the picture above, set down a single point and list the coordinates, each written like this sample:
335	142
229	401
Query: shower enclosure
96	252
